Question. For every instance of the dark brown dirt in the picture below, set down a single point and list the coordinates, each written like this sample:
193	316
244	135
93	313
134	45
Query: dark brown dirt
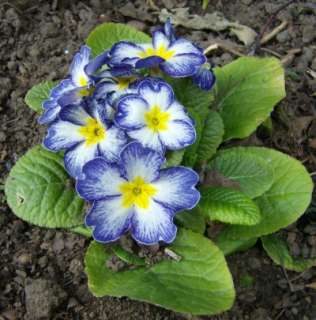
41	271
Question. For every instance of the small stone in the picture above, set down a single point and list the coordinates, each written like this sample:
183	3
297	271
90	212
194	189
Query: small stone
137	24
42	261
313	65
254	263
308	33
310	229
42	297
75	267
283	36
24	259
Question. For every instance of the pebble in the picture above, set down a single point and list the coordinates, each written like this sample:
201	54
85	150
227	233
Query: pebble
313	65
310	229
283	36
308	33
42	297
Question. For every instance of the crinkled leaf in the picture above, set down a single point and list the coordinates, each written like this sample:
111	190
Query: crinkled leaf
174	158
38	94
40	191
105	35
190	96
200	283
228	206
229	246
211	136
246	92
278	251
251	171
192	219
191	152
285	201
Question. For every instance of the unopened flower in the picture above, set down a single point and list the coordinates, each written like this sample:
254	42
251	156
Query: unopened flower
154	118
176	57
136	195
204	78
84	133
78	85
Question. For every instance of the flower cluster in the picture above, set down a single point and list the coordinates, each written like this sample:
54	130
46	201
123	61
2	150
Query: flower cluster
115	121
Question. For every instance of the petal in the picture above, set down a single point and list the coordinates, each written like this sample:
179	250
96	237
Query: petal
148	138
62	135
179	135
63	87
76	157
136	160
160	40
99	180
204	79
178	112
176	188
71	97
49	115
149	62
182	65
80	60
111	146
109	219
75	114
124	50
156	93
183	46
130	111
154	224
96	63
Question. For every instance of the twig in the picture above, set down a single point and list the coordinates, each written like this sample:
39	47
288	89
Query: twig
288	58
256	45
272	52
288	280
280	314
274	32
216	46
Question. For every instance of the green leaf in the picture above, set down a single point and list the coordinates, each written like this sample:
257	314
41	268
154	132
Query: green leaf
211	136
228	206
40	191
200	283
192	219
229	246
251	171
191	152
174	158
278	251
246	92
285	201
105	35
38	94
190	96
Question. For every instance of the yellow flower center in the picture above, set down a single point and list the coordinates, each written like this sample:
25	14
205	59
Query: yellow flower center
156	119
123	83
137	192
83	81
93	132
161	52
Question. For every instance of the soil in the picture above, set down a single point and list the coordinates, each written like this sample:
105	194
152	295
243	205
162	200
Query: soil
41	271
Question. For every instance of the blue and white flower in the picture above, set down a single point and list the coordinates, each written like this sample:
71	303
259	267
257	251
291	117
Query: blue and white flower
136	195
204	78
154	118
175	57
73	89
85	133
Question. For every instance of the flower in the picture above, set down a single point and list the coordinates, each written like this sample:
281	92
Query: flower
175	57
136	195
154	118
204	78
73	89
85	133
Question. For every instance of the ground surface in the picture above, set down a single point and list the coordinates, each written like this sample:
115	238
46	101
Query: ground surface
41	272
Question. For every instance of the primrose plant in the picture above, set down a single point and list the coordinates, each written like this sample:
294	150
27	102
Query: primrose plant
136	134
